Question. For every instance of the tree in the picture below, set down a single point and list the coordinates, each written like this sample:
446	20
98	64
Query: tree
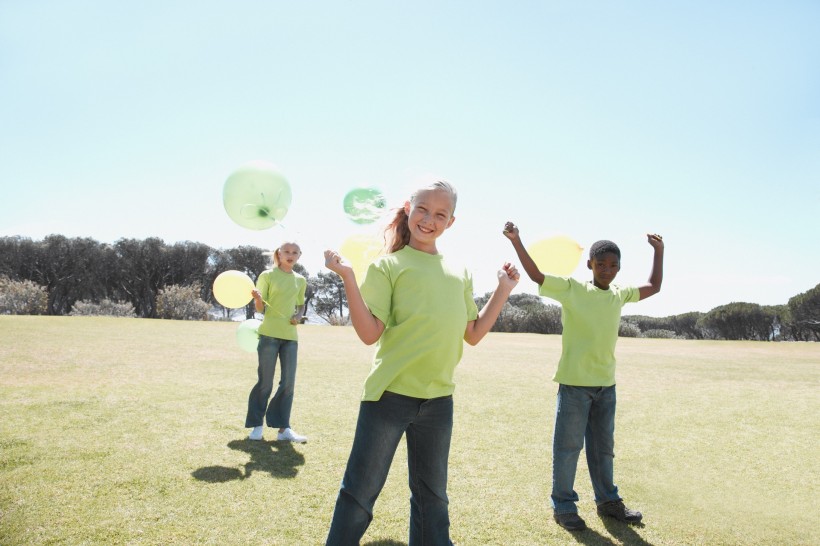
739	320
686	325
805	314
329	298
142	269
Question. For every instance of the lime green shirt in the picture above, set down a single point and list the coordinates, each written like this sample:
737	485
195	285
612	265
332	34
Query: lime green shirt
591	318
425	306
282	292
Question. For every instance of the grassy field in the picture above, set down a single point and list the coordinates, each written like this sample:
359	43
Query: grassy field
130	431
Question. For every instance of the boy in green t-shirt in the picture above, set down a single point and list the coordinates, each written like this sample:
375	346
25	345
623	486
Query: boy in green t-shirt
585	406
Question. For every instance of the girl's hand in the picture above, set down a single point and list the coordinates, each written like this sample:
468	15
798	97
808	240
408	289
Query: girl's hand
508	276
257	295
333	261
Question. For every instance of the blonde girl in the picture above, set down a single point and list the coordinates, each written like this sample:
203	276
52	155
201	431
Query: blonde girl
280	295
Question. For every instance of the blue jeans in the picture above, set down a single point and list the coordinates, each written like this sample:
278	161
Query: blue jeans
278	412
428	425
583	414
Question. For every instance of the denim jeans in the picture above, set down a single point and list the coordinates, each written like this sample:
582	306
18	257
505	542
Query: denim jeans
278	412
428	425
583	414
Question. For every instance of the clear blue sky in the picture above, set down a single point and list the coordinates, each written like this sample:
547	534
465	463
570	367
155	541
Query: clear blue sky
697	120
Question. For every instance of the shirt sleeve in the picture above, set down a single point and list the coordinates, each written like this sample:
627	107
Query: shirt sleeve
469	300
300	297
554	287
263	285
377	292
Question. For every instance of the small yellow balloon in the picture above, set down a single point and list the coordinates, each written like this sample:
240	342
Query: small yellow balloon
556	255
360	251
232	289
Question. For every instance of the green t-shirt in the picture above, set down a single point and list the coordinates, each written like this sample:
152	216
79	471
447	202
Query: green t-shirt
425	306
283	292
591	318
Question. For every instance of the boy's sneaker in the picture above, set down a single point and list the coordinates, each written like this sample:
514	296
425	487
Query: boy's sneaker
616	509
288	435
256	434
571	521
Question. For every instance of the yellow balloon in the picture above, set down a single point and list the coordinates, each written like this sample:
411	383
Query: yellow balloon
556	255
360	251
232	289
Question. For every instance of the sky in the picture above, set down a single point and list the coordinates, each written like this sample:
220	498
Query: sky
595	120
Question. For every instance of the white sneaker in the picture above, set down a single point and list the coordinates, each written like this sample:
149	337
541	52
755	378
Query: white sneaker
289	436
256	433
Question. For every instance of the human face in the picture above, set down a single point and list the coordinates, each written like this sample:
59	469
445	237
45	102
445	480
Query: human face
604	268
428	215
289	254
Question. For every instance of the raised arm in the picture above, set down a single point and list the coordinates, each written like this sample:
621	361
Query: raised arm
653	285
511	233
476	329
368	327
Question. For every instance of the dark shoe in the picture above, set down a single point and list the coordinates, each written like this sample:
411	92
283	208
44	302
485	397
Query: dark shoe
616	509
570	522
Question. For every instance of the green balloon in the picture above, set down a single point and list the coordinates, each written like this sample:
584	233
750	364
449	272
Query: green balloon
256	195
247	334
364	205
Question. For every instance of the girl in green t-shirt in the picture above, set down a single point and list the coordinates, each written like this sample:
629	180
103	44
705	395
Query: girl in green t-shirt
418	309
280	294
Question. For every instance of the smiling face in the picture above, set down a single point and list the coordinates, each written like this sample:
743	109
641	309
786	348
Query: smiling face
287	256
604	268
428	215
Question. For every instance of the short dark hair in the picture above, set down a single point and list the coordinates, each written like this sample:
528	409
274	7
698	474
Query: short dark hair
602	247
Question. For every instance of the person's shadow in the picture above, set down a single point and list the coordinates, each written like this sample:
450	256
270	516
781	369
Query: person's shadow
277	458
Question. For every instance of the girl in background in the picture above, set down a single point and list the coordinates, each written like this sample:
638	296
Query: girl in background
419	310
280	295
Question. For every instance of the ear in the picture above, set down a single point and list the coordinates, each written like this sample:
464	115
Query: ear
407	208
589	264
450	223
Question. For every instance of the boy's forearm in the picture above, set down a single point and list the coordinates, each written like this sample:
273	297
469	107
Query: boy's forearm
527	262
653	285
656	276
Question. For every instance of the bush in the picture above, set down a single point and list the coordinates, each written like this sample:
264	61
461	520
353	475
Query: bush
22	298
629	329
658	333
181	303
106	308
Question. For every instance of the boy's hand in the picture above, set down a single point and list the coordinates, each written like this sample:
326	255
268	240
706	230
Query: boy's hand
511	231
257	295
655	240
508	276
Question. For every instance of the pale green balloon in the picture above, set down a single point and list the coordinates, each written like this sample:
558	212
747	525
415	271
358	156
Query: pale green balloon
364	205
247	334
256	195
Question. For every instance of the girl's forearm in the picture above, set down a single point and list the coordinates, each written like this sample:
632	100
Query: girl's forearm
368	328
488	315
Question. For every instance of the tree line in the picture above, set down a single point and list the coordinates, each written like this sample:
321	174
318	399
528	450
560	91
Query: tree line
66	275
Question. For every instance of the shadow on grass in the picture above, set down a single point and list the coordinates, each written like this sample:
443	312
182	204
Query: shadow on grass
386	542
279	459
625	532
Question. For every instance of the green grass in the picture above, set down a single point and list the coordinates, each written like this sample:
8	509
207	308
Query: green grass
129	431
